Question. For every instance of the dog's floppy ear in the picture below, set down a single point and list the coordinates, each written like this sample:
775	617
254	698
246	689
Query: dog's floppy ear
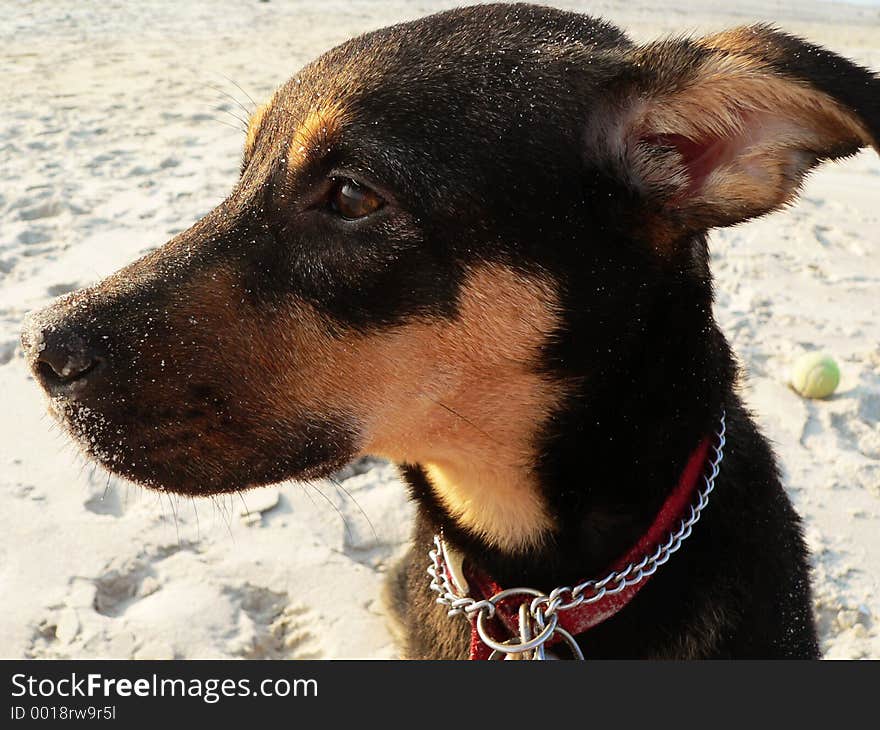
717	130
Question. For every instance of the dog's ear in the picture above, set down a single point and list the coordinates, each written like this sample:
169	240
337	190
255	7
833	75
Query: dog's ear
720	129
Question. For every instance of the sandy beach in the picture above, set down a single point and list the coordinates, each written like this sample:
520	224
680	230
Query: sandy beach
123	125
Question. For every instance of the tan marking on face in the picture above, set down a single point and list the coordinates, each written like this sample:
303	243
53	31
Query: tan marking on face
315	133
461	396
482	405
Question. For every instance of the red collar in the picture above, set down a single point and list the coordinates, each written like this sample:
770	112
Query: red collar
481	586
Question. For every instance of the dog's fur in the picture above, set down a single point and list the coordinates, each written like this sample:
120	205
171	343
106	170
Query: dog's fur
525	326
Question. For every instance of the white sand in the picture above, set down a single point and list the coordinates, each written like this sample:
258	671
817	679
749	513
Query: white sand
109	145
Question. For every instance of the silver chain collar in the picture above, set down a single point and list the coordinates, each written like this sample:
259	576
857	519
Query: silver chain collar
539	617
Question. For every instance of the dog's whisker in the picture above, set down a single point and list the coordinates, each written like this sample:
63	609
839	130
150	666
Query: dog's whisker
233	115
335	508
348	494
220	504
196	513
308	496
229	96
227	124
213	501
452	411
243	503
250	98
466	420
219	511
525	465
174	514
225	514
158	503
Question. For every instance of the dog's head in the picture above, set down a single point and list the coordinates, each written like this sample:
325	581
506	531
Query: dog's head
442	231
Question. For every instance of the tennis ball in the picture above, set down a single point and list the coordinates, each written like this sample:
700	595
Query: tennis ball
815	375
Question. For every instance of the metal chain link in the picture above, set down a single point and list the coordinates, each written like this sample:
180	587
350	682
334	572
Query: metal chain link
545	607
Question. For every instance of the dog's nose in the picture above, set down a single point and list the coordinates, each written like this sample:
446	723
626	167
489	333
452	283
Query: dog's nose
58	355
66	358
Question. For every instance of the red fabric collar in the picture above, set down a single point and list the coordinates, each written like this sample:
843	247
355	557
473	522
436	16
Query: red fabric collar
586	616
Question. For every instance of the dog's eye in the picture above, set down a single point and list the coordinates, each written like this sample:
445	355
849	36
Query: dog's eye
351	200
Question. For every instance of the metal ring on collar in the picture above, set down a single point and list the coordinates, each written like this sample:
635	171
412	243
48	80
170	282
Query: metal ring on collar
509	648
508	592
568	639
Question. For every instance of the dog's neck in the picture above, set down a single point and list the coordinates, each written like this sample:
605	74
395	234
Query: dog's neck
502	504
605	463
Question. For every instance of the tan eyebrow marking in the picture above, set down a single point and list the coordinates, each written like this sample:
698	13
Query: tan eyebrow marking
254	124
315	133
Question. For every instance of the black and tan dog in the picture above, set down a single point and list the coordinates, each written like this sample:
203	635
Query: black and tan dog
475	244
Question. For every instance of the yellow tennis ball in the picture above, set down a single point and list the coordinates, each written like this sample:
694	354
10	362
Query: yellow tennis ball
815	375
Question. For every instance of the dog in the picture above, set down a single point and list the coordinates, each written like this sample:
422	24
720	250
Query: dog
476	245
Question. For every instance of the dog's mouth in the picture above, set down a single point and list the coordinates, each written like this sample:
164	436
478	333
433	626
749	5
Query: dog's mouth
195	451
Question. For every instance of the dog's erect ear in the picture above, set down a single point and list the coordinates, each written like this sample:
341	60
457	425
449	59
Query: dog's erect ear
717	130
